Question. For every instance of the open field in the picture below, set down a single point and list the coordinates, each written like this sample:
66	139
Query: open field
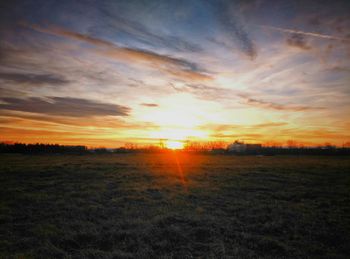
174	206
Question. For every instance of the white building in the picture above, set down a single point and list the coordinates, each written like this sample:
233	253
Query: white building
241	147
237	146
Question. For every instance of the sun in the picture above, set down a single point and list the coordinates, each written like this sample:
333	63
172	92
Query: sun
173	144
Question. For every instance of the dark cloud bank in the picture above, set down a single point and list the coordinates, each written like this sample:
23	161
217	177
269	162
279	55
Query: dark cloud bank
35	79
63	106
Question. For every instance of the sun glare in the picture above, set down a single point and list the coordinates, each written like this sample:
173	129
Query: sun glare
172	144
178	134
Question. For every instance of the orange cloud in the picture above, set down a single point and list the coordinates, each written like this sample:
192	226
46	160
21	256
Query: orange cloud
277	106
63	106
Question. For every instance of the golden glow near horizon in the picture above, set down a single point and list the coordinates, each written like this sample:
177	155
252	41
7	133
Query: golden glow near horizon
172	144
188	71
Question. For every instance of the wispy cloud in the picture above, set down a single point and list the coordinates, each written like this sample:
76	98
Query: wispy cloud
150	104
219	128
11	92
206	92
171	65
112	24
276	106
34	79
234	28
63	106
298	40
243	136
35	120
269	124
312	34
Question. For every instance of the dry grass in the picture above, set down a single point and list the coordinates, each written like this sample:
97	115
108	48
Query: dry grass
147	206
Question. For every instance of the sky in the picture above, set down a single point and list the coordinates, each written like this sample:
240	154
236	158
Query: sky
106	73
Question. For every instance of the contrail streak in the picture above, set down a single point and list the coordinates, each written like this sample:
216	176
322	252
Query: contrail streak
312	34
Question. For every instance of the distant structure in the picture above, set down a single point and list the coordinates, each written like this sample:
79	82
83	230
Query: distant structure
241	147
236	146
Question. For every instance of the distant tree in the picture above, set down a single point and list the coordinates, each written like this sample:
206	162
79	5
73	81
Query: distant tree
217	145
40	148
130	146
328	145
272	144
346	144
193	146
292	144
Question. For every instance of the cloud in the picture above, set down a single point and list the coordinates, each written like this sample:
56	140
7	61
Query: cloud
246	44
323	134
276	106
32	120
34	79
174	66
25	133
221	128
112	24
11	92
245	136
235	29
189	75
269	124
298	40
205	92
312	34
338	68
57	31
63	106
150	104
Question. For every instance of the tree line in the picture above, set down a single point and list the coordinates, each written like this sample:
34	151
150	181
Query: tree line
213	148
41	148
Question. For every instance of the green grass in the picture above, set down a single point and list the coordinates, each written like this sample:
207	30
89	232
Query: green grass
138	206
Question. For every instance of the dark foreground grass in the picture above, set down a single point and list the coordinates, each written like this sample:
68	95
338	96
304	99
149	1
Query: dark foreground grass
139	206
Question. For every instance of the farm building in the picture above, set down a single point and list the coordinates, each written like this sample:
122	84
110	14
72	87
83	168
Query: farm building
241	147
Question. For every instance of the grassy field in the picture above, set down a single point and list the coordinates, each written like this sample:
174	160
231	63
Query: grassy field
174	206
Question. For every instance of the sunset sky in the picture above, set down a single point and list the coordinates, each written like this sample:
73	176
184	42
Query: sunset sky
105	73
